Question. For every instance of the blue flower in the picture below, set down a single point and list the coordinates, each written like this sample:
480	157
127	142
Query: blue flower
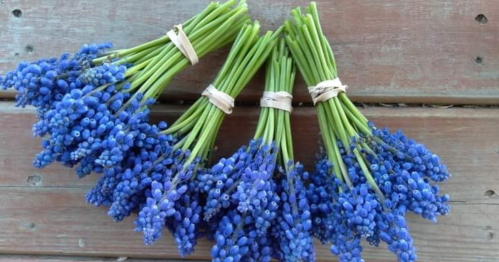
292	230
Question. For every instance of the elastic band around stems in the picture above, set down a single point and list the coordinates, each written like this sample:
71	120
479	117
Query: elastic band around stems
326	90
181	41
279	100
220	99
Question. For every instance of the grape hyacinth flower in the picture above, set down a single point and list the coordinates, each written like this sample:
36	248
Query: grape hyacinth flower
194	135
45	81
236	240
93	106
292	230
368	178
258	192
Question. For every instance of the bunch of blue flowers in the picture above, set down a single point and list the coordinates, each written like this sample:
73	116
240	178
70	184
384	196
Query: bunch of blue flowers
42	82
256	201
174	199
93	106
368	178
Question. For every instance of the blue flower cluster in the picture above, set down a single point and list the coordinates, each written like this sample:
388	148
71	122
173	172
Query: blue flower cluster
330	223
125	187
42	82
186	226
236	240
292	230
82	117
170	199
88	123
125	193
241	196
101	75
254	210
91	120
404	173
410	155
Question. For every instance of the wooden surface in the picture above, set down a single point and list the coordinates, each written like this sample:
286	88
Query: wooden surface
404	51
43	211
417	51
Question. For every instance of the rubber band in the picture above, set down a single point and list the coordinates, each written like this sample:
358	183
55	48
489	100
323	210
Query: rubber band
279	100
220	99
326	90
181	41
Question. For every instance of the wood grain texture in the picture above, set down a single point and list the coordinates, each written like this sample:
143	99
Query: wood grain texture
408	51
50	217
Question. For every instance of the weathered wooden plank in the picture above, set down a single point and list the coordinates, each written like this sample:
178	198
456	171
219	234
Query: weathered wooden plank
51	217
398	51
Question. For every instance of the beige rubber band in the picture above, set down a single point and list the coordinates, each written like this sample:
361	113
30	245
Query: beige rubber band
181	41
326	90
220	99
279	100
